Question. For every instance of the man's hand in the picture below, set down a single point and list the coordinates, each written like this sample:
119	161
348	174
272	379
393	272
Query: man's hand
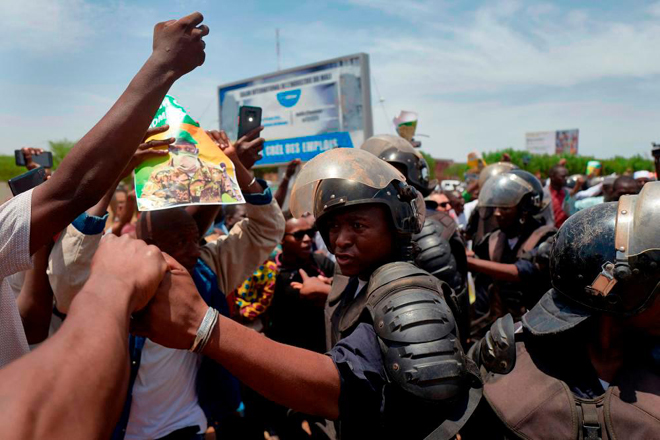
147	150
28	153
291	168
315	289
132	263
178	44
176	311
247	149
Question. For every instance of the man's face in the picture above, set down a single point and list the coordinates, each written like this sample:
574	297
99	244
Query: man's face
558	179
120	200
457	202
298	237
442	201
507	218
624	189
361	239
648	322
182	244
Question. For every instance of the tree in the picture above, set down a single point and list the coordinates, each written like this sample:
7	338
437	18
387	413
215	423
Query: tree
431	163
60	149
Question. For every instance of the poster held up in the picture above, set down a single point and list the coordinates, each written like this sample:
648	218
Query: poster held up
195	172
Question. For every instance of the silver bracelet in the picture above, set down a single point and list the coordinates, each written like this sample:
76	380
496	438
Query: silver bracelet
254	179
205	329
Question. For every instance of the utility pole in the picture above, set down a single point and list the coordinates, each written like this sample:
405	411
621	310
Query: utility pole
277	48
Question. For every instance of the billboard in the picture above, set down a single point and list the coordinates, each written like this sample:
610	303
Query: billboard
306	110
553	142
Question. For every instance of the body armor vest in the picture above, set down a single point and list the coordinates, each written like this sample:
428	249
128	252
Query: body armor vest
536	406
504	296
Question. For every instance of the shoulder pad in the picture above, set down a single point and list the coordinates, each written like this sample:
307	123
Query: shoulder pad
447	226
497	350
436	255
417	332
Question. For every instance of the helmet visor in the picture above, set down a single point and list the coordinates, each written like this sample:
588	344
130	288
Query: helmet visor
348	164
637	221
503	191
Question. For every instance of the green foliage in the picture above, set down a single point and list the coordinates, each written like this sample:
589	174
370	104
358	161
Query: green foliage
455	171
8	168
542	163
59	150
431	163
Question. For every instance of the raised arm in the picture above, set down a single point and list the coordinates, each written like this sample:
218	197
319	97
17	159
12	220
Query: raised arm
100	156
73	385
280	194
245	152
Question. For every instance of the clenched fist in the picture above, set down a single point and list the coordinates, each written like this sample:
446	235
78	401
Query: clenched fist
178	44
133	263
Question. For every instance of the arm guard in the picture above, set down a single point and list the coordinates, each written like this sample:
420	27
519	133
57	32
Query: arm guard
496	352
417	332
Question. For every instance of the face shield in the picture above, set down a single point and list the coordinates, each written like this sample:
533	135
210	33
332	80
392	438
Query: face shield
637	248
494	170
503	191
637	222
349	176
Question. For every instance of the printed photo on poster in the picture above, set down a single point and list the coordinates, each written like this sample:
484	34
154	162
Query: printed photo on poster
195	172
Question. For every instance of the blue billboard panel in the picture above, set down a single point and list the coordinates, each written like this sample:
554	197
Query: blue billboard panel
327	103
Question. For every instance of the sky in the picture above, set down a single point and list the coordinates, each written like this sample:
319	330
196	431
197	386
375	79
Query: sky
480	74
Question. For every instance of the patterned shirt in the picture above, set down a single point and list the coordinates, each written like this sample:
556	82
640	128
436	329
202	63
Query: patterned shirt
15	217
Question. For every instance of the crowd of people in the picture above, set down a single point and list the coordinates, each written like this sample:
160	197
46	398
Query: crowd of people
375	306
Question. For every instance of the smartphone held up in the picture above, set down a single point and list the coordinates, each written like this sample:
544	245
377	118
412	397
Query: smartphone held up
249	118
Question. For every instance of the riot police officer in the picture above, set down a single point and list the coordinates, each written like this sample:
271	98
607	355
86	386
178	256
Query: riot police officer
481	221
508	256
388	309
585	363
439	246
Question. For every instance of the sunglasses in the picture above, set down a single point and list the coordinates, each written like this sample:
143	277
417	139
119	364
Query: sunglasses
299	235
443	204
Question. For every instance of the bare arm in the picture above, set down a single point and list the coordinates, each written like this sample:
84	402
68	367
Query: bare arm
499	271
100	156
35	302
299	379
73	385
296	378
280	194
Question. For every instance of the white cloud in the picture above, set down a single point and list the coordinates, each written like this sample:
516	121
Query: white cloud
45	25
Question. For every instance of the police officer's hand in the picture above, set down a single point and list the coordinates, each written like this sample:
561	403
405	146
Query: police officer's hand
174	314
178	46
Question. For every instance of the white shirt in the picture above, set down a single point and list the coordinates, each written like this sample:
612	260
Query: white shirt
15	218
164	394
469	207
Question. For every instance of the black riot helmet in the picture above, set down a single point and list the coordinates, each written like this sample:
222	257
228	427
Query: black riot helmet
512	188
399	153
345	177
605	259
